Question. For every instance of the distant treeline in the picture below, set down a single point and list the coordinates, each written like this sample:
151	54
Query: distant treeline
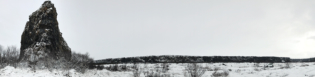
303	60
194	59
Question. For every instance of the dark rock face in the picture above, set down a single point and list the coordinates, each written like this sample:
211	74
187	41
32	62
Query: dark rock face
42	38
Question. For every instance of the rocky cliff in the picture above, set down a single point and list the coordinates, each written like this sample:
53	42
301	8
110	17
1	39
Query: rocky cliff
42	38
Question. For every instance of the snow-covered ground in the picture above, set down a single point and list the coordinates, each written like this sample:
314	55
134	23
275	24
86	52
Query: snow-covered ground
178	70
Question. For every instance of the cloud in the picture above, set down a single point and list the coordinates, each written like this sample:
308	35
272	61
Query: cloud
312	37
108	29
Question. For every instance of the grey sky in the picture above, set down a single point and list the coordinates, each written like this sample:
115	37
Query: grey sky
125	28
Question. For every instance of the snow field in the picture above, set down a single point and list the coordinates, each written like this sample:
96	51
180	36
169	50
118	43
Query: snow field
178	70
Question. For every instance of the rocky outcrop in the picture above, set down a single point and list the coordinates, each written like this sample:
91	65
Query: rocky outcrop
42	38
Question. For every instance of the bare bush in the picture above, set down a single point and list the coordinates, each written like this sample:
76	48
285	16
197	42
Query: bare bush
9	56
257	69
114	67
136	70
161	70
194	70
79	62
220	73
156	74
304	65
286	66
117	67
165	67
217	68
208	68
256	64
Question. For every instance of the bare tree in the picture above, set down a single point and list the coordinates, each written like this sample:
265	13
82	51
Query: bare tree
79	62
9	56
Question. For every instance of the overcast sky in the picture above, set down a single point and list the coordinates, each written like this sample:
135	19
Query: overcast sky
126	28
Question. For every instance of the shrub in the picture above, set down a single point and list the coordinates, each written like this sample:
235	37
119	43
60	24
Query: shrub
160	70
304	65
9	56
79	62
117	67
256	64
136	70
257	69
220	73
156	74
100	67
123	67
165	67
113	67
194	70
217	68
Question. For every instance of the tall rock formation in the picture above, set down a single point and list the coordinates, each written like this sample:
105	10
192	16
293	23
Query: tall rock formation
42	38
